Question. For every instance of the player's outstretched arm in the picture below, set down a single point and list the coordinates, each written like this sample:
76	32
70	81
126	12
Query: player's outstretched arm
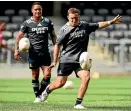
116	20
16	53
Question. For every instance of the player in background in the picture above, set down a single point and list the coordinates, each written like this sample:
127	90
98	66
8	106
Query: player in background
2	27
74	37
37	28
2	45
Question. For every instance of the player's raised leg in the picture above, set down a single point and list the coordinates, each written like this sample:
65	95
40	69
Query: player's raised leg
58	83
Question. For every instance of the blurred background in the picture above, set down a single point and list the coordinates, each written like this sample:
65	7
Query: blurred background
109	48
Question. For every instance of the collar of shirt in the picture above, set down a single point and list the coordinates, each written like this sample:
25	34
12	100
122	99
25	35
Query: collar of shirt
40	20
71	26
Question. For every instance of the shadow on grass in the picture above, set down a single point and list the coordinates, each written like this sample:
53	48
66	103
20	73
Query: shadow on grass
116	88
92	94
15	92
110	100
70	93
111	108
7	86
60	106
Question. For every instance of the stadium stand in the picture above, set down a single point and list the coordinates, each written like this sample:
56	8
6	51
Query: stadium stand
97	18
9	12
17	19
129	54
12	27
127	34
5	19
103	12
23	12
7	35
85	18
128	12
126	19
121	27
116	34
89	12
15	34
117	11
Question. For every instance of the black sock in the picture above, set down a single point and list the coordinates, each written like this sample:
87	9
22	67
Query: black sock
48	91
35	85
78	101
44	84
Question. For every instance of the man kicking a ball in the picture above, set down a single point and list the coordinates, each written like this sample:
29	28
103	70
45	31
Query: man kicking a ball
74	37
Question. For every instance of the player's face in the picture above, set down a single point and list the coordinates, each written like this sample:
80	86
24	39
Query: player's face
37	11
73	19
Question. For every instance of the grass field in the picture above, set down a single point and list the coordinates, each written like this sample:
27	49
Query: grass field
104	94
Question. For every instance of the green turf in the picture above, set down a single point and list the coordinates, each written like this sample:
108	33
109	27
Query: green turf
104	94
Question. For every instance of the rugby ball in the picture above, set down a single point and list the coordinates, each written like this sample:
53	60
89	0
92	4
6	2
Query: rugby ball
85	61
24	44
68	85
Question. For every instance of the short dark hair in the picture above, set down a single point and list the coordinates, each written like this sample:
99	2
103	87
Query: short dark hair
36	3
72	11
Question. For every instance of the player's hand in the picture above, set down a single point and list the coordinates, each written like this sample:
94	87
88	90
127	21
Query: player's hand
117	19
17	55
53	64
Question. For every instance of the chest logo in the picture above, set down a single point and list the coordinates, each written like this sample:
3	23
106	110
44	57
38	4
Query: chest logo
78	33
40	30
39	25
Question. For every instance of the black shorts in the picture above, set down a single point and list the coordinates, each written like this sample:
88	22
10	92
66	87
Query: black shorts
36	61
65	69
